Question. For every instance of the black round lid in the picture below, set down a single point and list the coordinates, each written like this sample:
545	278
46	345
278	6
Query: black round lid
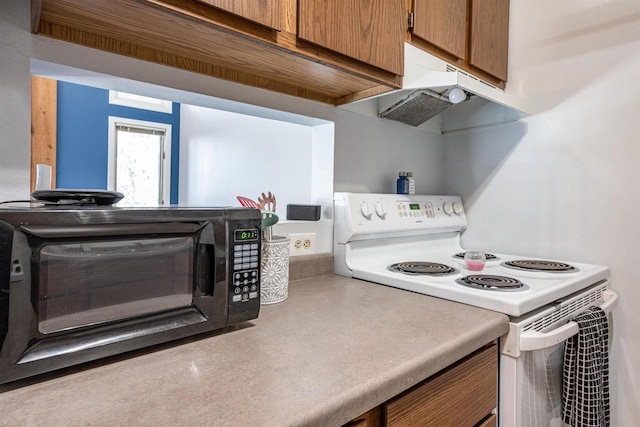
81	196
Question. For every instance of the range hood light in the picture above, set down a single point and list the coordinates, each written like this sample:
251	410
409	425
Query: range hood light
457	95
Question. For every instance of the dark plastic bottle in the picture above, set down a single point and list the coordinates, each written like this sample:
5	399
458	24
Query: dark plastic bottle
402	183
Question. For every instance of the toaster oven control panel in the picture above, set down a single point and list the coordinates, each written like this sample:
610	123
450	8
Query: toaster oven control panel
245	279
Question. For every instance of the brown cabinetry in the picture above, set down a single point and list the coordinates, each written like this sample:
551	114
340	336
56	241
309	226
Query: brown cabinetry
333	51
470	34
443	24
345	50
372	418
463	394
489	36
371	31
265	12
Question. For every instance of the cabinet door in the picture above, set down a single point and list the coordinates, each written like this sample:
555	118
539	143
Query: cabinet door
265	12
371	31
462	395
490	36
443	23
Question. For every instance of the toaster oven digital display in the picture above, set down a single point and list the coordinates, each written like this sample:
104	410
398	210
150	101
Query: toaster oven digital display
246	235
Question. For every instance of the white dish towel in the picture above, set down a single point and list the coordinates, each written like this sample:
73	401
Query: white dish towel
585	388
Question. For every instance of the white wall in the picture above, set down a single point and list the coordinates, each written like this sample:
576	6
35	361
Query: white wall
565	182
15	102
224	155
369	153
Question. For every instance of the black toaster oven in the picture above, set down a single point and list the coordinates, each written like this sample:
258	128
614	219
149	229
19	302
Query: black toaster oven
82	283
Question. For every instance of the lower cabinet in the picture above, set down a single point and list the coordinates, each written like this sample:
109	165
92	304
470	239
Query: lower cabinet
373	418
464	394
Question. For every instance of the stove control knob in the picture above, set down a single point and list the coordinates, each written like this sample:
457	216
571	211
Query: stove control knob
457	208
447	208
365	210
380	210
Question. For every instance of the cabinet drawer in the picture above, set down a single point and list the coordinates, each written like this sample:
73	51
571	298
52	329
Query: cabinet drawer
462	395
490	421
373	418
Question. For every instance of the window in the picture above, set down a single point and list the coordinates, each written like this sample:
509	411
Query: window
140	161
138	101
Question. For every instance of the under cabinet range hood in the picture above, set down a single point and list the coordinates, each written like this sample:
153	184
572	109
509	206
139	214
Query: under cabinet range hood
432	86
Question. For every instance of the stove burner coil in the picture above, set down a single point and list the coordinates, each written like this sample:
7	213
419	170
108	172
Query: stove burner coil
540	265
422	268
492	283
488	256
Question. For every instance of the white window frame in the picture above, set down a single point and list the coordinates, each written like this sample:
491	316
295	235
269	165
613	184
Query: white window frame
166	161
139	101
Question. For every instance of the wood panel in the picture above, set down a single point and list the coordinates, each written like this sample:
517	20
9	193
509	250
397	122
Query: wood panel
289	16
192	36
462	395
443	24
372	418
36	6
371	31
44	104
489	34
490	421
265	12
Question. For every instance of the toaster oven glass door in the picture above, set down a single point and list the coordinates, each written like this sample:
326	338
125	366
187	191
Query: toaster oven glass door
90	283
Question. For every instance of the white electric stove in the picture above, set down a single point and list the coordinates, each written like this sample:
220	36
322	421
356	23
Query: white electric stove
413	243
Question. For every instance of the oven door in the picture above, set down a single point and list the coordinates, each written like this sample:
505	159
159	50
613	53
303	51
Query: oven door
531	388
84	276
531	360
90	291
82	284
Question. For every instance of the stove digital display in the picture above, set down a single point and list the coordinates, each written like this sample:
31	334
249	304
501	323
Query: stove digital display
414	206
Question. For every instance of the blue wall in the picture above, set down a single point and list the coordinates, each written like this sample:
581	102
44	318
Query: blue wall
83	136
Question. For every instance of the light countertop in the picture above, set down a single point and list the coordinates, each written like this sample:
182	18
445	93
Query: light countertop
334	349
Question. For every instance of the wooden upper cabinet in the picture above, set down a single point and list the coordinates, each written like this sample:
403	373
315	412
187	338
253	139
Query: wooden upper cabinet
442	23
265	12
471	34
371	31
490	36
237	40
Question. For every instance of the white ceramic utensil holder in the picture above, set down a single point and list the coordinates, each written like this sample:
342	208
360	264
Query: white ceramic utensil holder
274	270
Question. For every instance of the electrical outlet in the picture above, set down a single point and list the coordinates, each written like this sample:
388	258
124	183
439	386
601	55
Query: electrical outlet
302	244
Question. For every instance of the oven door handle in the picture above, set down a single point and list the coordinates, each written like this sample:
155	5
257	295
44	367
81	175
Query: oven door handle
533	340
